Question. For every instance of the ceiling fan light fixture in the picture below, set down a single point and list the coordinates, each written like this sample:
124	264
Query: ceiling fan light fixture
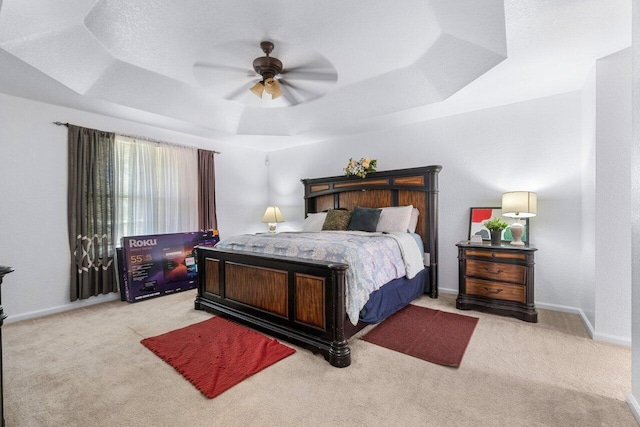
258	88
272	87
277	94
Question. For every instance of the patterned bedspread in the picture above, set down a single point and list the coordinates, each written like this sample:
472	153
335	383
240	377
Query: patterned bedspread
373	258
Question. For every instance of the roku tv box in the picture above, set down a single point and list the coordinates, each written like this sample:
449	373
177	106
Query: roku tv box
160	264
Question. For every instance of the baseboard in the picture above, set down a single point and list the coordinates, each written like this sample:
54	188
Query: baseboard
612	339
633	405
62	308
572	310
546	306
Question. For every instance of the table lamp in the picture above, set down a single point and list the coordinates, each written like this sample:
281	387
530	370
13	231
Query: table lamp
272	216
519	204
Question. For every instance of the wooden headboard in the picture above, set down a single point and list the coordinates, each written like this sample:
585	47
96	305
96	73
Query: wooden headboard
401	187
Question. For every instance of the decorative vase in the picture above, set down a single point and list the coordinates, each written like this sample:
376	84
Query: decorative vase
496	237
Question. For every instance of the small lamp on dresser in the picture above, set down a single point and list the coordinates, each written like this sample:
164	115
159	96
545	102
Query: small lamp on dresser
519	204
272	216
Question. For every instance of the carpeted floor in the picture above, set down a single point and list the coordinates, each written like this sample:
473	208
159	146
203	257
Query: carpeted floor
88	368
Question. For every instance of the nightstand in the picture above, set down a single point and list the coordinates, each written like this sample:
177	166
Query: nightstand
496	279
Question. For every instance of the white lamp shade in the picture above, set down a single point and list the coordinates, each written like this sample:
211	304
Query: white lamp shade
272	214
519	204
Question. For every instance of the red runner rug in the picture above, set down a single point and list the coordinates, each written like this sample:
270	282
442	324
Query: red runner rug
216	354
432	335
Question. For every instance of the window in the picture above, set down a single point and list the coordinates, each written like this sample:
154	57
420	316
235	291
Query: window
156	188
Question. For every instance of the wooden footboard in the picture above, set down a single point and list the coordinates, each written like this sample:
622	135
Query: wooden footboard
298	300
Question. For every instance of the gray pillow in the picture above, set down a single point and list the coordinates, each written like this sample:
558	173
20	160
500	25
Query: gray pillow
364	219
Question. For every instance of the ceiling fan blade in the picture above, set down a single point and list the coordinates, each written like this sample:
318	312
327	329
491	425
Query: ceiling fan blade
317	64
308	94
221	67
301	74
288	95
240	91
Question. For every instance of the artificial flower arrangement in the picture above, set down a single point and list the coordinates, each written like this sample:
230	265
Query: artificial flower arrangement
360	167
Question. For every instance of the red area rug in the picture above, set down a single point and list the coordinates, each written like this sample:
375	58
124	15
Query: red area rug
216	354
432	335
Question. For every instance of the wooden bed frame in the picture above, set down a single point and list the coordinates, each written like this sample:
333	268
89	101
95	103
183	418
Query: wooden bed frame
303	301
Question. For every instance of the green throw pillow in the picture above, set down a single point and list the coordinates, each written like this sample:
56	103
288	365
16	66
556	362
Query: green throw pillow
337	220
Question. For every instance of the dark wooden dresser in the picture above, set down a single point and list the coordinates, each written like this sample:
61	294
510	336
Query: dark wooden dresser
497	279
3	271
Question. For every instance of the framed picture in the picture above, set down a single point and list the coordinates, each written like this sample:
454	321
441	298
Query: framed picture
478	216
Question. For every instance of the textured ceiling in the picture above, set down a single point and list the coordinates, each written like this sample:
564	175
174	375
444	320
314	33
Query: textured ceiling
186	65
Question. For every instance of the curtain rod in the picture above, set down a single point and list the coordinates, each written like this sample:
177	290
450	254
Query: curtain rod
144	138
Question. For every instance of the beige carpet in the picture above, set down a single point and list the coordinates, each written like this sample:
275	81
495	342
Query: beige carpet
88	368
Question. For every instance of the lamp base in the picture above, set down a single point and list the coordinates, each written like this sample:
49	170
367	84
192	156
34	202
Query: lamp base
272	227
517	229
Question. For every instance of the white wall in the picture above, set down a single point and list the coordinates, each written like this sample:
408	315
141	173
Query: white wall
33	203
634	398
533	145
613	198
587	246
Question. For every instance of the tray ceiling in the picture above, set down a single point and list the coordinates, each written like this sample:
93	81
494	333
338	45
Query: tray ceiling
186	65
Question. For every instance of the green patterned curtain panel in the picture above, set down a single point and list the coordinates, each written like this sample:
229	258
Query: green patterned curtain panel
91	212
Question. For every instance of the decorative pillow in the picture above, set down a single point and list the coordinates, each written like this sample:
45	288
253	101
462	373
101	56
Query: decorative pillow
413	222
314	221
364	219
395	219
337	220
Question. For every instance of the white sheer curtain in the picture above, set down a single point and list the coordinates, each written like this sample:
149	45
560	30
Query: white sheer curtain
156	188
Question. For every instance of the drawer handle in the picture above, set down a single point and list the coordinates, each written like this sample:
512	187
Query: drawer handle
494	272
497	291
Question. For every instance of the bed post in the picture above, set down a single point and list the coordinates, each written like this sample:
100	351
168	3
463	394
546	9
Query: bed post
432	226
339	351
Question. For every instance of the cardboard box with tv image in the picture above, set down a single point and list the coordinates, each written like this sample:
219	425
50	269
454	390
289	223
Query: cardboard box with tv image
160	264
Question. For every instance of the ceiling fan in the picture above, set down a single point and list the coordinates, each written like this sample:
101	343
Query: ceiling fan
296	84
268	68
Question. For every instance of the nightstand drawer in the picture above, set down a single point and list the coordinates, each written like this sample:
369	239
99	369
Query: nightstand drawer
503	291
496	271
487	253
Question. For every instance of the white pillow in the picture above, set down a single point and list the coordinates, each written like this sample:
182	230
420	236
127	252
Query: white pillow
395	219
314	221
413	223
